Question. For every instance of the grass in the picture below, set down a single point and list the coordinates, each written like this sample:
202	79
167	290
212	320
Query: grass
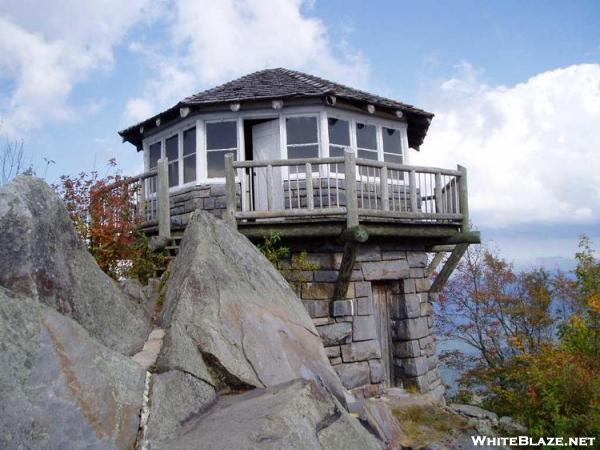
423	424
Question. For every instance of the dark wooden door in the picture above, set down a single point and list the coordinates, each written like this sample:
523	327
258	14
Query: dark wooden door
382	301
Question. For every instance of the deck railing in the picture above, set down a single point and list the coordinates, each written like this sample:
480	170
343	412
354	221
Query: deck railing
356	189
342	188
150	196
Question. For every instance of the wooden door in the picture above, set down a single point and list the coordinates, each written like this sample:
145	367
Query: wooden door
382	301
265	146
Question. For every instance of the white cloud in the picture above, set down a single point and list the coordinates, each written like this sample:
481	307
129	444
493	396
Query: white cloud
532	150
47	48
212	42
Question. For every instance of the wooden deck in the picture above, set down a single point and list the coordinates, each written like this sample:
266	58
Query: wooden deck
325	197
330	193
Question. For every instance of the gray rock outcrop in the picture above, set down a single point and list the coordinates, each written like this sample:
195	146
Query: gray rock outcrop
295	415
59	387
226	302
43	258
239	365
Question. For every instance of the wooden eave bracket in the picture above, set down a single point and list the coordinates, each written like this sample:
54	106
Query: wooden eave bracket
352	238
449	266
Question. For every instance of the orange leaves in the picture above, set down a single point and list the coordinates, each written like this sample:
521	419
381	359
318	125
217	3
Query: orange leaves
594	303
103	211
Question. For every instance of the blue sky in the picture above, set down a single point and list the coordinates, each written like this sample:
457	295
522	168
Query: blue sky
513	85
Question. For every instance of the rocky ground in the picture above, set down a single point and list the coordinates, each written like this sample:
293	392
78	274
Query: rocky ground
220	353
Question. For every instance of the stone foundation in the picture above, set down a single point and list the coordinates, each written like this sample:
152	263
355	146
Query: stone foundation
349	326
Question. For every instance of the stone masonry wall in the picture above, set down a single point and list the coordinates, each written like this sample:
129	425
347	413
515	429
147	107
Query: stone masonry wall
209	197
348	326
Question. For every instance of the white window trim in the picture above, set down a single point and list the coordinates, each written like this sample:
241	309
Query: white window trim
316	115
182	157
322	113
377	137
239	131
285	172
402	150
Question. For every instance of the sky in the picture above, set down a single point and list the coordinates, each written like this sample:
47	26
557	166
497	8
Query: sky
515	87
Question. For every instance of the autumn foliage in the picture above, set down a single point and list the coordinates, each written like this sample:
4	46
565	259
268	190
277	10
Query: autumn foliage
103	211
534	338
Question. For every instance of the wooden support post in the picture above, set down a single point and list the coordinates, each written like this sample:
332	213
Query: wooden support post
348	260
412	187
352	238
385	201
310	200
141	203
435	262
164	208
463	197
351	199
230	191
439	204
451	263
269	187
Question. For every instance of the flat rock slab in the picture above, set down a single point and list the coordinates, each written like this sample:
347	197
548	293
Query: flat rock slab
295	415
59	387
225	301
43	258
147	357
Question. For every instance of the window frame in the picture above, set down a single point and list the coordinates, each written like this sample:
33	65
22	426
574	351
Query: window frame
205	149
402	152
286	172
284	139
183	157
162	137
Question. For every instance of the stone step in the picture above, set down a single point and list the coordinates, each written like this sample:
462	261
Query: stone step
147	357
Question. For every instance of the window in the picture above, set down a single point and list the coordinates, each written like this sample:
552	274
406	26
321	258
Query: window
154	155
189	155
392	145
302	137
366	141
339	136
221	138
172	154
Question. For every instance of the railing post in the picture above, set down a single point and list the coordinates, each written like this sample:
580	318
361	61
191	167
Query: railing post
385	201
270	187
230	191
412	186
141	203
463	197
439	205
164	208
310	200
351	199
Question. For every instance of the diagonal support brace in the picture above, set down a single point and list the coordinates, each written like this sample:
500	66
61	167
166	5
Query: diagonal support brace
352	238
451	263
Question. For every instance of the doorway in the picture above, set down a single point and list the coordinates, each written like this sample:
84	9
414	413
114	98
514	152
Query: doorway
382	304
262	144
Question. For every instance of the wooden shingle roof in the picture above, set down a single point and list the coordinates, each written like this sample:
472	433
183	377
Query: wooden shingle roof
284	84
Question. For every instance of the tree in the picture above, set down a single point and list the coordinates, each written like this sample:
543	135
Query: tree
535	337
12	162
103	212
495	311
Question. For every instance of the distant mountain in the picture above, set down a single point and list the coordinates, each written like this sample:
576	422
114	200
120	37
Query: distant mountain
551	263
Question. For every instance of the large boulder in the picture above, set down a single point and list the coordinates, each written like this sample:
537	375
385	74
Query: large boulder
298	414
227	304
59	387
42	257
